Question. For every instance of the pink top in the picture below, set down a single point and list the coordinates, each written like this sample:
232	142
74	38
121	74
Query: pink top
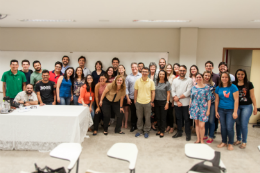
100	91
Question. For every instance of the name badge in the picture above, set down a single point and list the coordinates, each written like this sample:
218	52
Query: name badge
90	98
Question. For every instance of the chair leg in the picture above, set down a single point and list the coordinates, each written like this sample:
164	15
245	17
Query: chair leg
132	171
77	166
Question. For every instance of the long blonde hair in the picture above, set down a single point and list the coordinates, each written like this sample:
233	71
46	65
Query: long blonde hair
114	85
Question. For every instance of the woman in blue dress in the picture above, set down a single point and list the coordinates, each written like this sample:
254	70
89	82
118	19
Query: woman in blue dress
200	106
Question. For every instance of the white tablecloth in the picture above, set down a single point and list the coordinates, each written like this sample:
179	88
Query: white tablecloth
44	128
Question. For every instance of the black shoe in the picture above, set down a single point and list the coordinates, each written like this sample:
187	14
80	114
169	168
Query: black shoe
133	128
154	129
188	138
105	133
158	133
161	136
177	135
214	137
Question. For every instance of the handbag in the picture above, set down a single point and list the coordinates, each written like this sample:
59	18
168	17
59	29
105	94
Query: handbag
47	169
215	168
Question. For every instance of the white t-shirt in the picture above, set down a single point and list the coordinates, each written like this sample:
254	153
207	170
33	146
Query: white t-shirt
22	96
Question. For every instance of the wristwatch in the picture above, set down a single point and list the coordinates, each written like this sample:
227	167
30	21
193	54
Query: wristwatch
23	102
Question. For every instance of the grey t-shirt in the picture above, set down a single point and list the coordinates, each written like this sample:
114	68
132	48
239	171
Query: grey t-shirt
161	90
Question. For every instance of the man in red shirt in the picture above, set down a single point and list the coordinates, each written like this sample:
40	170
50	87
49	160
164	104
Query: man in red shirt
56	73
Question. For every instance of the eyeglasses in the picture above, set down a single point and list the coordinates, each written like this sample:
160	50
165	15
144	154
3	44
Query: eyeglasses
57	67
182	70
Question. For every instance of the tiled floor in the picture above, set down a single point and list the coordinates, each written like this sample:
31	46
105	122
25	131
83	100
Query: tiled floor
156	155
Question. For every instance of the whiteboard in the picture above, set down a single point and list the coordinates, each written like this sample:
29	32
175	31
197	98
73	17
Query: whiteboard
48	59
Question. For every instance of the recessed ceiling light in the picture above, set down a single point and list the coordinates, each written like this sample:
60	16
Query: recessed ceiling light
46	20
258	20
173	21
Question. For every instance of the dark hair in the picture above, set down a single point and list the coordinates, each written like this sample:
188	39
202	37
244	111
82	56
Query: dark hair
173	68
103	74
165	77
13	60
36	61
222	63
184	66
220	81
209	62
99	62
66	56
82	57
107	71
71	77
45	71
146	68
76	75
141	63
92	84
176	64
246	82
29	84
200	75
58	62
115	58
196	68
25	60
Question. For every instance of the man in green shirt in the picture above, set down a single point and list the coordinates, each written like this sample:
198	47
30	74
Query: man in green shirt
14	81
36	76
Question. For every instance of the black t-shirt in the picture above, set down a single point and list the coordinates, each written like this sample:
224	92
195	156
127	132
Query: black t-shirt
115	72
96	76
46	91
244	94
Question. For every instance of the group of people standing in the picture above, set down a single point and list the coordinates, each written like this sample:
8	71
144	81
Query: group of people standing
164	95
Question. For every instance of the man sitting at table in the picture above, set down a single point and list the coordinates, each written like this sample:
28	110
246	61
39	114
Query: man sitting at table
45	90
27	97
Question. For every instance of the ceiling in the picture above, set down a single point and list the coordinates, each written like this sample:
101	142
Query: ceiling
121	13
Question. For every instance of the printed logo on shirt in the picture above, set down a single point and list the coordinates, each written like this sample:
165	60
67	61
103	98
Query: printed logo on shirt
45	87
242	95
226	94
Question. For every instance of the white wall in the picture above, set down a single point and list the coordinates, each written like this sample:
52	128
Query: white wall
92	40
212	41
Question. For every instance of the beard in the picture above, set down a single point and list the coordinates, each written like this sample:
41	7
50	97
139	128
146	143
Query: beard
28	92
38	69
162	66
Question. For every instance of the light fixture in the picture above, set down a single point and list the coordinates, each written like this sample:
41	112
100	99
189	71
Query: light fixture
103	20
167	21
46	20
2	16
258	20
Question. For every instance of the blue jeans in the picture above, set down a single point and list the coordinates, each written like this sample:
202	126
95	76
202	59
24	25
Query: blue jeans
227	125
75	100
92	112
244	112
65	100
210	125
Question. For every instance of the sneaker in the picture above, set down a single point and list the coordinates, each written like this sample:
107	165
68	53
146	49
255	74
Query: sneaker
209	141
137	134
205	137
146	135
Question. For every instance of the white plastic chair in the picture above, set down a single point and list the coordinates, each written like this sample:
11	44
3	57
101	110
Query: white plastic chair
124	151
202	152
68	151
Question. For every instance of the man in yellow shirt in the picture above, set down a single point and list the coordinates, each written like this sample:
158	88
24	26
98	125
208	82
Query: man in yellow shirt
144	98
